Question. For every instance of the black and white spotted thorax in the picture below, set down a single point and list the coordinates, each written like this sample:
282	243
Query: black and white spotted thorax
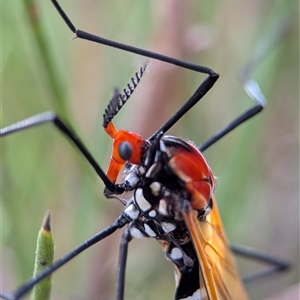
158	193
155	208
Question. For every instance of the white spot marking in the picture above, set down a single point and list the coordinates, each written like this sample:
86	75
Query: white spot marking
167	227
143	204
176	253
136	233
149	231
152	214
163	207
142	170
132	212
155	188
162	146
132	179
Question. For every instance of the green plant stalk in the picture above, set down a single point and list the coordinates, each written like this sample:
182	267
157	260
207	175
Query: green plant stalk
55	84
44	258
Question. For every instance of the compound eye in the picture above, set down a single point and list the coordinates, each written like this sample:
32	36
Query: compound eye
125	150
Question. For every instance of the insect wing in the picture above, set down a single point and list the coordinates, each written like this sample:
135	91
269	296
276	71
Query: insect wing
219	278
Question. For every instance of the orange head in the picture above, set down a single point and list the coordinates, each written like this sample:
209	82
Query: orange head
127	146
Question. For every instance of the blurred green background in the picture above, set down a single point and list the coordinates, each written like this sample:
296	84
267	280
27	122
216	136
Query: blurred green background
257	165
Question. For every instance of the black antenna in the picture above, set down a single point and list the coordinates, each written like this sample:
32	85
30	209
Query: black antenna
118	100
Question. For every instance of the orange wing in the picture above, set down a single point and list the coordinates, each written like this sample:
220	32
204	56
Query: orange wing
219	278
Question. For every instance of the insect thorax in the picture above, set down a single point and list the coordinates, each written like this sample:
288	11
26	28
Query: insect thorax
157	202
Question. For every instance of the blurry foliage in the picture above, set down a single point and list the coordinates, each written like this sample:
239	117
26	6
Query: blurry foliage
256	166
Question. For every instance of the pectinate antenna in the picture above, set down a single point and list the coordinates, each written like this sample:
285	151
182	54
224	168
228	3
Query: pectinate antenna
119	99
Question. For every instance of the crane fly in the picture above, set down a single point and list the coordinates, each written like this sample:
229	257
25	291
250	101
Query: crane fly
171	187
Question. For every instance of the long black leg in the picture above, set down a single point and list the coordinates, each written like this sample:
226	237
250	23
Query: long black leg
126	238
27	286
253	90
93	38
204	87
277	264
251	87
50	117
235	123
